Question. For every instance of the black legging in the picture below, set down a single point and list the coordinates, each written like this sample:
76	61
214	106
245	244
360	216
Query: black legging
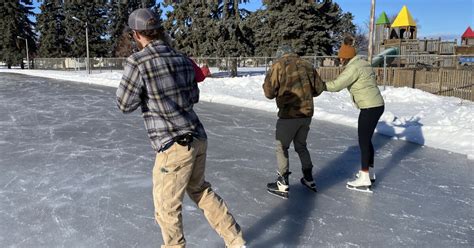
368	119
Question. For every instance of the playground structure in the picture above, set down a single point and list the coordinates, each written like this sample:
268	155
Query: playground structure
401	34
466	48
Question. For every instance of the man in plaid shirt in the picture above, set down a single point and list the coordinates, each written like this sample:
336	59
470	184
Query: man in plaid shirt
162	82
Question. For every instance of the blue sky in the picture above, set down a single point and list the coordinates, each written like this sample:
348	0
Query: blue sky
445	18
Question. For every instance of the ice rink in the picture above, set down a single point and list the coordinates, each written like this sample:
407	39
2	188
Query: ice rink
75	172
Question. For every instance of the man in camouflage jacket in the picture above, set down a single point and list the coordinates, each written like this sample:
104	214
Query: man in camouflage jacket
293	82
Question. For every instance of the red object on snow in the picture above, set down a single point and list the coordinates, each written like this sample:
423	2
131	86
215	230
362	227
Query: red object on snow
205	70
198	75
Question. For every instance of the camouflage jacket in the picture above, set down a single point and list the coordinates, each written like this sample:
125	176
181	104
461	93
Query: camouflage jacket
294	82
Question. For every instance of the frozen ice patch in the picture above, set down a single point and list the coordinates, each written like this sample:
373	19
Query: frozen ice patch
410	114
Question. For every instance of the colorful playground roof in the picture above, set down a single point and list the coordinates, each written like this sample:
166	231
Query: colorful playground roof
383	19
404	19
468	33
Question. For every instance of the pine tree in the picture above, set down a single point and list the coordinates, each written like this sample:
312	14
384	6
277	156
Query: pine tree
191	24
14	23
235	38
50	23
94	13
210	28
310	27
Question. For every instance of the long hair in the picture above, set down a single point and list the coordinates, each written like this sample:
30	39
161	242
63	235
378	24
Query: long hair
157	34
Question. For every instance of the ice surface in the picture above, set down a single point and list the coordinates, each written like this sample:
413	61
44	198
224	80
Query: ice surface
410	114
75	172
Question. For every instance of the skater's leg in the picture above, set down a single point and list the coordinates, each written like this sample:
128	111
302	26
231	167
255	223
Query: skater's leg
303	153
285	133
301	146
213	206
368	120
372	154
364	136
171	174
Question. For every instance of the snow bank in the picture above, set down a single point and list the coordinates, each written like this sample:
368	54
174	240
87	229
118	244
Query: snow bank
410	114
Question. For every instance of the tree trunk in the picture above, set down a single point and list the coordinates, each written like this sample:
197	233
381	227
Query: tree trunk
233	68
236	10
225	9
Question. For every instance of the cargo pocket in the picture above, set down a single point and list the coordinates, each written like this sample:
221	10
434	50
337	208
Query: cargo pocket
174	173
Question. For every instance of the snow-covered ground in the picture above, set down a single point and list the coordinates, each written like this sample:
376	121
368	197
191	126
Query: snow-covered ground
410	114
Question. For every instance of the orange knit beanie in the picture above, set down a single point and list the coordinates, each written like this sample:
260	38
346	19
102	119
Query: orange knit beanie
346	52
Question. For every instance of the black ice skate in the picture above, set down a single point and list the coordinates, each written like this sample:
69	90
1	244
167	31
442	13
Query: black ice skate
307	180
280	188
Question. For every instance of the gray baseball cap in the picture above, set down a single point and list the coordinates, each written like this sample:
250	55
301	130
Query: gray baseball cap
143	19
284	49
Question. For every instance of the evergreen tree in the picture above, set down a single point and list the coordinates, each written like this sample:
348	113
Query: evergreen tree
50	23
191	23
14	23
210	28
311	27
94	13
235	37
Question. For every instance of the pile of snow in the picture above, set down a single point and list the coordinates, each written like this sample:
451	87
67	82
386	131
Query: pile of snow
410	114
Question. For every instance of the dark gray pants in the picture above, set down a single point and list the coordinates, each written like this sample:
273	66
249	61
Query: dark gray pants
296	131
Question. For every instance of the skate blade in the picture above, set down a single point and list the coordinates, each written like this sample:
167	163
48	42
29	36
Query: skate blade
283	195
364	189
308	186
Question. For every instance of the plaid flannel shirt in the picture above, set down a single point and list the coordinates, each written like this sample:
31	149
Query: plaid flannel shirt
161	81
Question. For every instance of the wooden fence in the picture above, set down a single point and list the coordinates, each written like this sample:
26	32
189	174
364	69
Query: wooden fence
446	82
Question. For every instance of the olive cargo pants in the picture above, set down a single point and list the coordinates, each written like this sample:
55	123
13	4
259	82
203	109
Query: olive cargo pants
180	169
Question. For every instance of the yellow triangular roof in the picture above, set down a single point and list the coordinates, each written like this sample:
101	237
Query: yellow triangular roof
404	19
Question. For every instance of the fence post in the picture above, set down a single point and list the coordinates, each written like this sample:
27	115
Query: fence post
440	81
266	64
472	92
471	79
384	71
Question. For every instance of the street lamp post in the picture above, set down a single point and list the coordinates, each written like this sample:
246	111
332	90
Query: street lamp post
371	31
88	67
27	54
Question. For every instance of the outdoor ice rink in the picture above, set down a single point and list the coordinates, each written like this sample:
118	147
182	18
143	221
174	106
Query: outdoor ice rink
75	172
